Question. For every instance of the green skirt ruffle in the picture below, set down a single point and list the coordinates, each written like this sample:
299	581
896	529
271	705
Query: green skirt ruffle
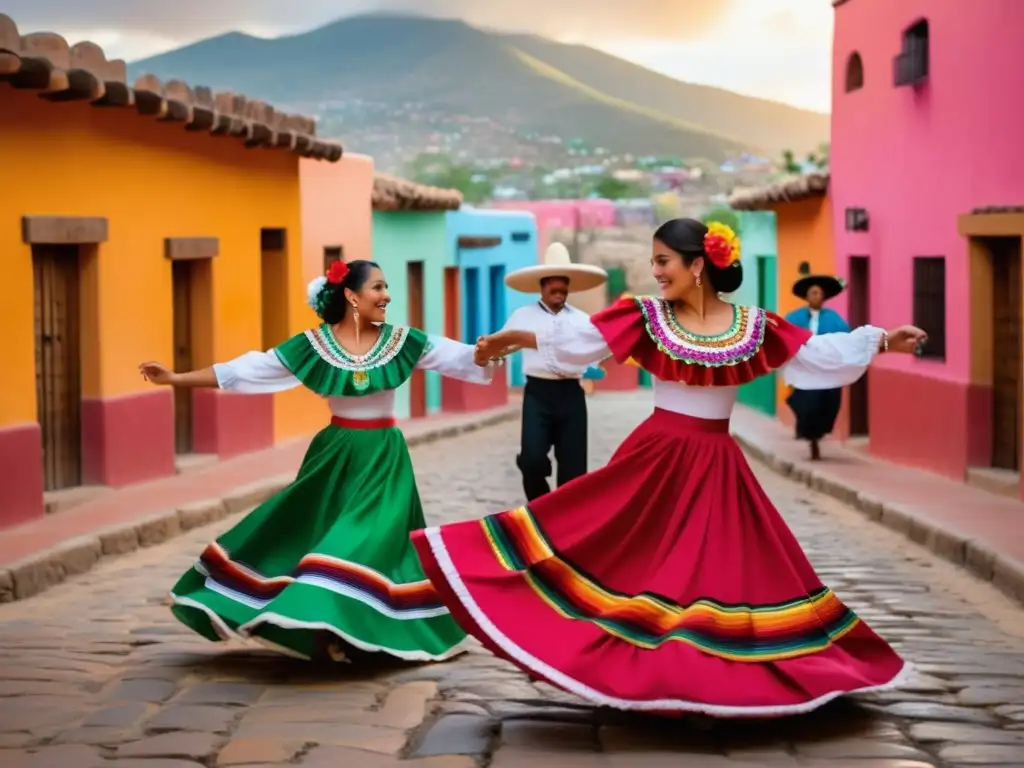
327	557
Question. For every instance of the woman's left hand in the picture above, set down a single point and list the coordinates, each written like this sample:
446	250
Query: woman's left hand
906	338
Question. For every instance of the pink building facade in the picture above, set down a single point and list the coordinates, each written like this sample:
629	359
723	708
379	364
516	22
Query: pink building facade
564	214
927	165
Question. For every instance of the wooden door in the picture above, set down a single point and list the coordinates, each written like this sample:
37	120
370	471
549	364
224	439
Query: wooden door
182	277
1006	373
859	303
58	363
418	382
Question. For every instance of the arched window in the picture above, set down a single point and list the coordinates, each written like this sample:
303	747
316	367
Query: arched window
854	72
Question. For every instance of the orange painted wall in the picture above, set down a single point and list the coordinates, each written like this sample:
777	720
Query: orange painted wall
151	180
335	210
804	231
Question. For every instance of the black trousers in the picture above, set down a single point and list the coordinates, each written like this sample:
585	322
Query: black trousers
554	416
815	410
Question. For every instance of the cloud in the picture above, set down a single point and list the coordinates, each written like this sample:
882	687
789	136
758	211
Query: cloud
187	20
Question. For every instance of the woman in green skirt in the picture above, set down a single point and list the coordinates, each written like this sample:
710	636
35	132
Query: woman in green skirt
326	565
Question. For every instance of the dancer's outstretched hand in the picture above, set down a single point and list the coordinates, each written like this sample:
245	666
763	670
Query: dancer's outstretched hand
906	338
488	348
156	373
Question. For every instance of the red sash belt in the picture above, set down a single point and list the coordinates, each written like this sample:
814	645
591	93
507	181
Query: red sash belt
384	423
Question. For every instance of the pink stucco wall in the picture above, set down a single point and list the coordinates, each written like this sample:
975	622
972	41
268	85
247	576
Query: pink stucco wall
917	158
563	214
336	209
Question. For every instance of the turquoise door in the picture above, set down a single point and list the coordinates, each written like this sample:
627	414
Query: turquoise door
760	393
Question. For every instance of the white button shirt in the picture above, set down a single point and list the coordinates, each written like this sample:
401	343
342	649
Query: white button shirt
537	317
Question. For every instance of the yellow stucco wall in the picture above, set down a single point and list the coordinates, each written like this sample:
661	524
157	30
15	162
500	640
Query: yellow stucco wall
151	180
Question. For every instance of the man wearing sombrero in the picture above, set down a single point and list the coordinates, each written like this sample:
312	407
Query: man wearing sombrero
816	410
554	402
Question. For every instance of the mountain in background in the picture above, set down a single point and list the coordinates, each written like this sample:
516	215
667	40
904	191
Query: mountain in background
398	83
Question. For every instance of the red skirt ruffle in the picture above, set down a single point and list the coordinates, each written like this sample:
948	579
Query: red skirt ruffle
665	582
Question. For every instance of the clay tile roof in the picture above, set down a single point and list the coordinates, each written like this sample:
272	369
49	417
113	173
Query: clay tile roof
44	62
788	190
394	194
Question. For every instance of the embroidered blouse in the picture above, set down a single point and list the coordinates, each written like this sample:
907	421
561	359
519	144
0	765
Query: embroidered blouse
360	387
700	375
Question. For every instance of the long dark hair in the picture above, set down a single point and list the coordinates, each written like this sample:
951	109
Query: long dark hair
332	295
686	237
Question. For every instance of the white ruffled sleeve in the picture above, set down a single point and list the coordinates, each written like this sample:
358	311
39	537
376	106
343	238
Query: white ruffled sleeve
255	373
833	360
566	349
453	359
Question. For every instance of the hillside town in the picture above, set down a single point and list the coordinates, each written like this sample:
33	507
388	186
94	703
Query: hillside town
353	432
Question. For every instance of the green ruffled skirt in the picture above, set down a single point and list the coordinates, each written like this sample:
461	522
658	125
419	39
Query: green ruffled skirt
327	560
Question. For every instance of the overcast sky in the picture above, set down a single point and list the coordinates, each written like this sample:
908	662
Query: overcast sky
776	49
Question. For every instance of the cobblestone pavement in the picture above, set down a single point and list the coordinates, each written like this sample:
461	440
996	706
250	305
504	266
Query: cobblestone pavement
97	673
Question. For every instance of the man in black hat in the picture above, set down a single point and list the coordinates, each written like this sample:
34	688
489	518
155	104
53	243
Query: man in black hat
816	410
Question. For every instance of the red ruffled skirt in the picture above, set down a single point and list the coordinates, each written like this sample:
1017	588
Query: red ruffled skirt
665	582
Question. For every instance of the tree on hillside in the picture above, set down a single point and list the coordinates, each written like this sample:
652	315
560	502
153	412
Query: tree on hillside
725	216
611	188
820	159
442	171
789	163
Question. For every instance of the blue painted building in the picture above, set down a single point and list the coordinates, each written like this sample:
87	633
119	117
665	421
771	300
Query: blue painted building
485	245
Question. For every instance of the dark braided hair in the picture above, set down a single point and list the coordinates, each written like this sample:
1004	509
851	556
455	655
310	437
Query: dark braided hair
330	303
686	237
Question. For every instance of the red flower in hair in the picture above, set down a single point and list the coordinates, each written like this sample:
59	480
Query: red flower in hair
721	245
337	273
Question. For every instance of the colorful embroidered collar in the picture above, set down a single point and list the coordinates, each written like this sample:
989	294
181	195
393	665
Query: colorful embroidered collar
738	344
644	329
389	342
325	367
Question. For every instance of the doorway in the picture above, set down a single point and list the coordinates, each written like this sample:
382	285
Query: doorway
859	304
1006	350
452	315
474	327
183	278
273	287
58	363
497	298
418	381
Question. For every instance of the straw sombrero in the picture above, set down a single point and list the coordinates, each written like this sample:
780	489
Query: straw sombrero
582	277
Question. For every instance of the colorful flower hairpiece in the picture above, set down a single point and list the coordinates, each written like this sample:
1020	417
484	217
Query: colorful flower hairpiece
319	290
337	272
722	245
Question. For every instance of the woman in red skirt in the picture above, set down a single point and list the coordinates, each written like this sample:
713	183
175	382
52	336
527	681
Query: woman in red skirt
666	581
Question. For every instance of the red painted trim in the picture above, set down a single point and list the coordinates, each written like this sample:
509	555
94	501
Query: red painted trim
21	490
619	377
228	424
920	421
464	397
128	439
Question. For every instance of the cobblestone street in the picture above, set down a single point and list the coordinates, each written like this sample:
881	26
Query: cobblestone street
96	672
